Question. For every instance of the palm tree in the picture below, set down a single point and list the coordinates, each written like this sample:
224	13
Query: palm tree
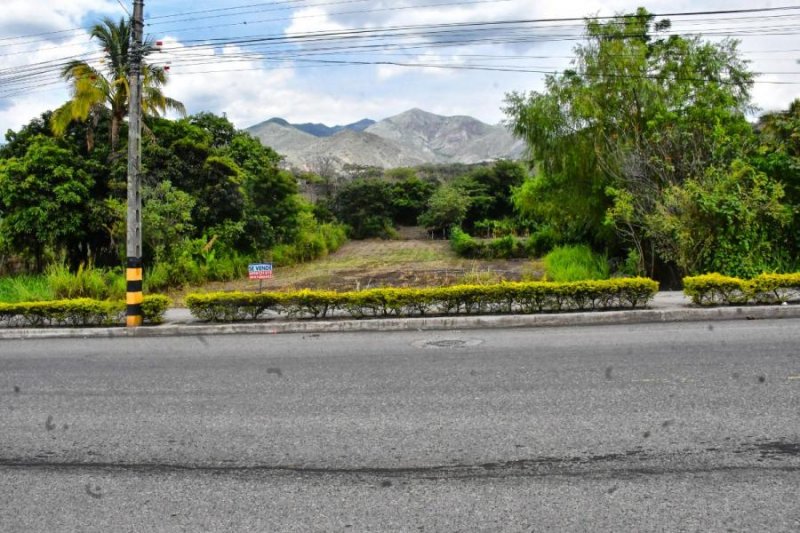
96	91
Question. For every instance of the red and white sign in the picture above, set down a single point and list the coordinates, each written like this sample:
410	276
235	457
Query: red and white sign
260	271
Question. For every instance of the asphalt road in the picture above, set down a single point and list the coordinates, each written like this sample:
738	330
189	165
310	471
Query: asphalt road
669	427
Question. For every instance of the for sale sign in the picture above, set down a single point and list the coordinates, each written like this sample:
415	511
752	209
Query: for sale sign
260	270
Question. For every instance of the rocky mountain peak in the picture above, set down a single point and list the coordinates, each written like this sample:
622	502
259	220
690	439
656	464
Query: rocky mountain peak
413	137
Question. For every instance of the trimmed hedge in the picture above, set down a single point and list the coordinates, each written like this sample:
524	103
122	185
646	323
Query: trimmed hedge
78	312
509	297
716	289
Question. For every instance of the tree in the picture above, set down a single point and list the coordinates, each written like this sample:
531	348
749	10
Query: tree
409	198
365	206
447	207
489	189
97	91
234	180
167	219
271	194
641	111
779	148
45	201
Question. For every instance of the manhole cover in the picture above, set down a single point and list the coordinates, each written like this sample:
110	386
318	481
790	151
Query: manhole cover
446	343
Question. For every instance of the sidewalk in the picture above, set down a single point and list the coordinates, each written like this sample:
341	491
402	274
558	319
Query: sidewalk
671	306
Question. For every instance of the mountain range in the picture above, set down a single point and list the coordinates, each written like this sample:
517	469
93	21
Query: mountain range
412	138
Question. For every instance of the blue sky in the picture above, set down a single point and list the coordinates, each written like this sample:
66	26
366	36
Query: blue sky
253	83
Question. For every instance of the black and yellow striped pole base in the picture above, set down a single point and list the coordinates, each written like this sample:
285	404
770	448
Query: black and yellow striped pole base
133	275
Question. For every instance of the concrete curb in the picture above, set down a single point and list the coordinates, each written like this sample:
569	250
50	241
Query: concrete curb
641	316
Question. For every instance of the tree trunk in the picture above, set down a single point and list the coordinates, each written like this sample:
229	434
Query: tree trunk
115	125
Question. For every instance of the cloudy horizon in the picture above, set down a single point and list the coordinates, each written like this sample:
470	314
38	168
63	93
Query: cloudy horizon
215	65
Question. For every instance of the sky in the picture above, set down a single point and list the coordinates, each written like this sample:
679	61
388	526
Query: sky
301	60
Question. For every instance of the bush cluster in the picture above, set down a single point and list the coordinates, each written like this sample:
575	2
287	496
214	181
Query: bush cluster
310	243
507	247
79	312
509	297
716	289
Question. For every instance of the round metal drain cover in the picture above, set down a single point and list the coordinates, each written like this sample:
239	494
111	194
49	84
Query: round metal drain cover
446	343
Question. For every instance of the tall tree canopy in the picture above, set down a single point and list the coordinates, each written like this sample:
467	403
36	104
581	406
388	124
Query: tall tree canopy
642	110
105	89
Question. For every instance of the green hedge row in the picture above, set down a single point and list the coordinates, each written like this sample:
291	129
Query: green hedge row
716	289
530	297
79	312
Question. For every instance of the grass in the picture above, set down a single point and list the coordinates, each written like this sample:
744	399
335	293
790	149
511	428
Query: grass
575	263
416	262
86	282
59	283
14	289
383	263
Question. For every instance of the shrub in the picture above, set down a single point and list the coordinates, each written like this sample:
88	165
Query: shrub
507	247
463	244
575	263
79	312
523	297
774	288
228	307
541	241
716	289
154	307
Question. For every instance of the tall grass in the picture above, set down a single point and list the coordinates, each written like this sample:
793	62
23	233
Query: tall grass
86	282
59	283
575	263
14	289
311	243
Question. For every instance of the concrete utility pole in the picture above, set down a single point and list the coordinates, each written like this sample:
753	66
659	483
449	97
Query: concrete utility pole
134	234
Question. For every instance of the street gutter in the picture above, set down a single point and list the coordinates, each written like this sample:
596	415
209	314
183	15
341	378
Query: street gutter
636	316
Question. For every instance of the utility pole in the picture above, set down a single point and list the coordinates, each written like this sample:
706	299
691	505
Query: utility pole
133	273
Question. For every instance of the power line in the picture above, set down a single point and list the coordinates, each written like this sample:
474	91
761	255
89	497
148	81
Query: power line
356	41
124	8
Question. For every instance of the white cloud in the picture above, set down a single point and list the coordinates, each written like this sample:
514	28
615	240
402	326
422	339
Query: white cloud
228	81
231	81
25	17
312	19
23	100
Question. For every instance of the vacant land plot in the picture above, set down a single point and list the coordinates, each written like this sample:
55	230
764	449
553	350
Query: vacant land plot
378	263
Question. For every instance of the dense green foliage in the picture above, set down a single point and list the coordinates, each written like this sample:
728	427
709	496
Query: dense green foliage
474	199
523	297
643	149
507	247
214	200
729	221
45	200
641	158
373	206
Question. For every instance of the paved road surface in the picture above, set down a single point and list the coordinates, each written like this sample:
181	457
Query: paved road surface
670	427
